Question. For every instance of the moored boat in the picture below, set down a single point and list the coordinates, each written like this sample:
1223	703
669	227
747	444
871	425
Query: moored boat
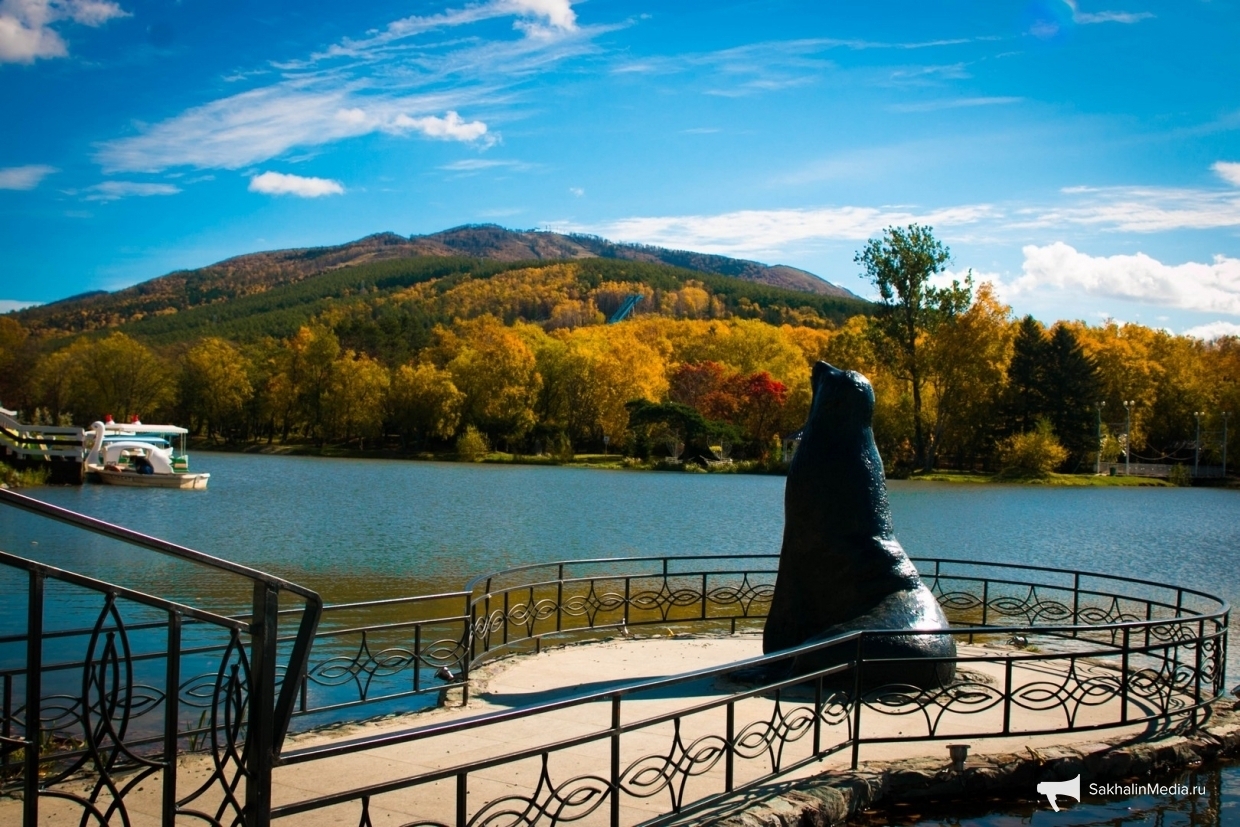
139	455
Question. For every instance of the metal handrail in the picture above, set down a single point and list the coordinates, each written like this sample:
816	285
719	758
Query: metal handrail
269	713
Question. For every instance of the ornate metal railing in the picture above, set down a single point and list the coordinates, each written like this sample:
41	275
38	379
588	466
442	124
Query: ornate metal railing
71	696
1043	651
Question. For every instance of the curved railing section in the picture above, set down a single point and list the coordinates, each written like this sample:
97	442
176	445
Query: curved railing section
1042	651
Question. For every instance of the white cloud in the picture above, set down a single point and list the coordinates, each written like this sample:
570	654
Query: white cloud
477	164
24	178
577	191
756	232
1229	171
1211	288
277	183
114	190
1086	18
451	127
26	32
1138	209
1213	330
538	19
387	82
953	103
9	305
258	125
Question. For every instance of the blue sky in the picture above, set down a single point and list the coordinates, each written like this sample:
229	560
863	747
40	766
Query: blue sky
1083	156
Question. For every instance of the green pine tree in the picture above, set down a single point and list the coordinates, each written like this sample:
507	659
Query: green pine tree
1072	390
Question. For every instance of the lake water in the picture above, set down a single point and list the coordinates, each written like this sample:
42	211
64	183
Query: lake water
359	529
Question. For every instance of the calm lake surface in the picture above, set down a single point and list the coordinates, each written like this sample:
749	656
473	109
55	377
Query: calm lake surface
363	529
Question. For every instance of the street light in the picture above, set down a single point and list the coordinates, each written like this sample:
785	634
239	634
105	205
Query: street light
1225	415
1128	403
1197	443
1098	463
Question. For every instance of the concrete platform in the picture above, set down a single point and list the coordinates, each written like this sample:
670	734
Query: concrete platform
654	755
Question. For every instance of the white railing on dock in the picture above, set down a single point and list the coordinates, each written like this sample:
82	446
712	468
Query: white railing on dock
39	443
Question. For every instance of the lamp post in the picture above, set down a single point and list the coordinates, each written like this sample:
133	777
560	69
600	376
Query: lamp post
1128	403
1225	415
1098	462
1197	443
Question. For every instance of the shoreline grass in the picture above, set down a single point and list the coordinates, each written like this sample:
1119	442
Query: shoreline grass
619	462
1053	480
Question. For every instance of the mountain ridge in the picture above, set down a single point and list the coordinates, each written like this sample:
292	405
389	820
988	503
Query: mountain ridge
253	273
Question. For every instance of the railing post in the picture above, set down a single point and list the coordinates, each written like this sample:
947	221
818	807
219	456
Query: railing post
985	604
34	692
1201	634
462	800
615	760
172	714
469	647
1076	601
1007	695
730	757
817	716
261	730
1123	670
856	733
559	598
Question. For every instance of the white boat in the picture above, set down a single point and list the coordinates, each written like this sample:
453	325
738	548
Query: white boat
139	455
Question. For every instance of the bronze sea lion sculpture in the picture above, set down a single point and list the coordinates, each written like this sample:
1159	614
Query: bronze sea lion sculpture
840	568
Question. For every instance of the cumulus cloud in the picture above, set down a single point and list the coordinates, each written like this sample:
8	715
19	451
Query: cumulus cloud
1229	171
277	183
114	190
9	305
756	232
1213	330
26	32
24	178
451	127
1212	287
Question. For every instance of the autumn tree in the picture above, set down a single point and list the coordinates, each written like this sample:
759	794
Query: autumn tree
214	385
967	359
354	403
16	361
424	403
902	264
495	370
93	378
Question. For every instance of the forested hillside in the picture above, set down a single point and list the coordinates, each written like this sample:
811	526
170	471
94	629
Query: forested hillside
386	260
445	353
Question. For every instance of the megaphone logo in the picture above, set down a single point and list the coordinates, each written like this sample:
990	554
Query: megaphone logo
1070	788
